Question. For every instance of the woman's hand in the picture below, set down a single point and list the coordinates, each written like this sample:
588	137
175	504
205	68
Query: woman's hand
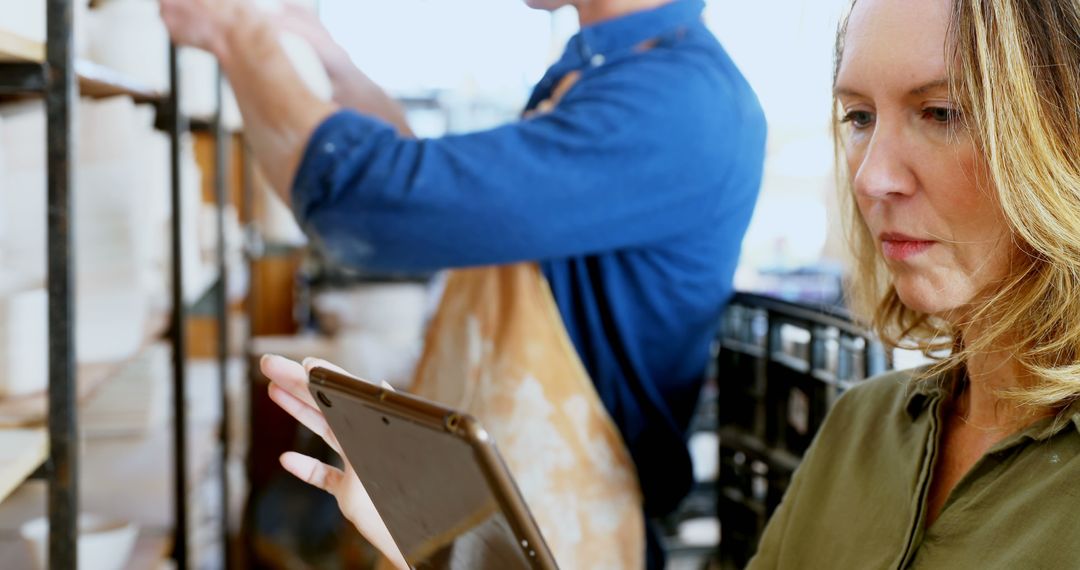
289	389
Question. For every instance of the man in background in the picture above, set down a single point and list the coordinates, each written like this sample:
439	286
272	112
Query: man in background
630	180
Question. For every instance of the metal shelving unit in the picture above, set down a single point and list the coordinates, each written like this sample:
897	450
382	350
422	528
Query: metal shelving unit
29	69
178	332
221	176
778	368
63	463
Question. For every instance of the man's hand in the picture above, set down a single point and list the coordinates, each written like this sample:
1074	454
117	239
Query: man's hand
352	88
289	389
280	112
305	24
202	23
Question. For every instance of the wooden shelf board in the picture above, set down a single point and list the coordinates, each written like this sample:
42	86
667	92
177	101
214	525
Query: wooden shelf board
17	48
129	478
32	410
99	81
22	451
94	80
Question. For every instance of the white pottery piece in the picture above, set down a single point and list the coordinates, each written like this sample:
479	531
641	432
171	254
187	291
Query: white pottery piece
23	342
128	36
103	544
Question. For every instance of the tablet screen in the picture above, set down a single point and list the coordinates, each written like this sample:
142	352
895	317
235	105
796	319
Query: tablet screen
429	488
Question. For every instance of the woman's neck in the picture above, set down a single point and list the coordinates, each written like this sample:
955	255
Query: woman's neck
981	403
595	11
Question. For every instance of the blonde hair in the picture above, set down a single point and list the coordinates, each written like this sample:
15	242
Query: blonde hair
1015	72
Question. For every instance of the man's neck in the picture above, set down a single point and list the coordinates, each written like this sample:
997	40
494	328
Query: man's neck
592	12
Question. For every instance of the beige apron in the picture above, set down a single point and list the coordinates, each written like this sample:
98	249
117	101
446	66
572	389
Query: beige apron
498	350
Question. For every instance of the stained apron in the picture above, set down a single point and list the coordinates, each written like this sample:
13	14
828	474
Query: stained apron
497	349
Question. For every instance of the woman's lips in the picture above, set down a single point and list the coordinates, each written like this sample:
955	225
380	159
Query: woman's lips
899	247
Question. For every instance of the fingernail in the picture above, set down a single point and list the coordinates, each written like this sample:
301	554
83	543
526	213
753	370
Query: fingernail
307	361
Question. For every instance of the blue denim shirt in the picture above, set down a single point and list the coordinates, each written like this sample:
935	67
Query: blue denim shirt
633	194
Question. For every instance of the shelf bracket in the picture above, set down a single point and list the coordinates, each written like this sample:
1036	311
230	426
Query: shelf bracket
23	78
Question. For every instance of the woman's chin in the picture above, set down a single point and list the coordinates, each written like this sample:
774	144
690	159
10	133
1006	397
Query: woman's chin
949	301
926	301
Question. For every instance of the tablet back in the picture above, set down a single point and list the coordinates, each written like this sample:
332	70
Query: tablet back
434	476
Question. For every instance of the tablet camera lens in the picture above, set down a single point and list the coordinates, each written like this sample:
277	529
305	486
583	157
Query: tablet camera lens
385	421
325	401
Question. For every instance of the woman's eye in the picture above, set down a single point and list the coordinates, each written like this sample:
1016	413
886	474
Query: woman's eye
943	115
858	119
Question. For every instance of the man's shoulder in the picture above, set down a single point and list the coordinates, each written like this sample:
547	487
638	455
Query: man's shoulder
686	57
688	82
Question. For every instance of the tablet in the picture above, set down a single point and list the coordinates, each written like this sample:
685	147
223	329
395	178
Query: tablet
435	477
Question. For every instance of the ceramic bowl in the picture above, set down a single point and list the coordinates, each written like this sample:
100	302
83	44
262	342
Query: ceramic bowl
103	543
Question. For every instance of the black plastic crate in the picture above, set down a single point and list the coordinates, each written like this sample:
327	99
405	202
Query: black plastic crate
740	397
796	406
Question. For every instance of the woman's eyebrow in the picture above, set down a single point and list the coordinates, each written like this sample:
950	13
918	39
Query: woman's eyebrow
841	91
930	86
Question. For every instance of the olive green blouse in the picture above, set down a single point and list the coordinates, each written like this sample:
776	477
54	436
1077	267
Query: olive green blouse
858	499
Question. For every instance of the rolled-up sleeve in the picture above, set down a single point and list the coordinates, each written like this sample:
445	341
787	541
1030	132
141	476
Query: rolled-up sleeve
630	156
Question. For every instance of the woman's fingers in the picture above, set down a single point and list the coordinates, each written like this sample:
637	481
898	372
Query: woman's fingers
352	498
310	363
288	375
309	416
314	472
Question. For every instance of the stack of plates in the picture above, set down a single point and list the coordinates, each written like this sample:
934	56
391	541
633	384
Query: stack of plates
120	220
121	225
128	36
134	402
23	302
378	328
23	342
114	233
26	19
22	199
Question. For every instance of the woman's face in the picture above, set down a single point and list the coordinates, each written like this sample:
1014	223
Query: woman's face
921	185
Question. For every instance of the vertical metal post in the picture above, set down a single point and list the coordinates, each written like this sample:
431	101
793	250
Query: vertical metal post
221	171
252	245
60	103
247	199
177	333
247	217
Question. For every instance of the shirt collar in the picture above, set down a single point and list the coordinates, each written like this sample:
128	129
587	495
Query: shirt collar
925	389
626	32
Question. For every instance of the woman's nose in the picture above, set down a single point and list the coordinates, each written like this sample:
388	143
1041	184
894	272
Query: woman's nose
884	170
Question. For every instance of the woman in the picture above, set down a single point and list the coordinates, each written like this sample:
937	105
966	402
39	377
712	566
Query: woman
960	125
